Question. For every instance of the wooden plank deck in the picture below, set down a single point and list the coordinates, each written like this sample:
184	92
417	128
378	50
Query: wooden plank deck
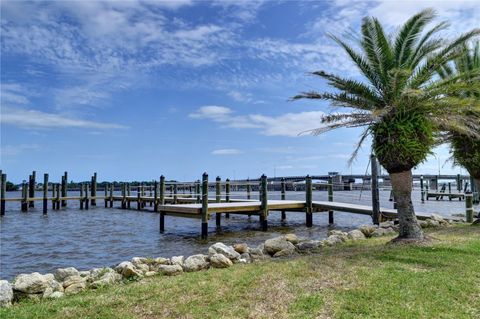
359	209
232	207
253	207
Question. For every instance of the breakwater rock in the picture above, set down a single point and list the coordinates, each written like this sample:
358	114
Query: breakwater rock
68	281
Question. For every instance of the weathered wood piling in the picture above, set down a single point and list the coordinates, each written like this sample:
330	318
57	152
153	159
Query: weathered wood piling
376	217
31	188
308	200
469	207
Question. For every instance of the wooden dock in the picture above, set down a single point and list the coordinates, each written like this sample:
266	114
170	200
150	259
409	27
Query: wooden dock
196	200
441	195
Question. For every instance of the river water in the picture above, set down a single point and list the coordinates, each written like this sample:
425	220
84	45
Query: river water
101	236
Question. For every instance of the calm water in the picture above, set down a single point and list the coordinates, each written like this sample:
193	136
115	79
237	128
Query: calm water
101	237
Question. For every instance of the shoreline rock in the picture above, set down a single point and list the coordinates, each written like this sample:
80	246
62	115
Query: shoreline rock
68	281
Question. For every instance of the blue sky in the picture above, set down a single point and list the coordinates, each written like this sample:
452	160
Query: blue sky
135	89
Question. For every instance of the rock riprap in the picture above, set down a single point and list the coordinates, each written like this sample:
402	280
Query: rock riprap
279	246
6	294
227	251
220	261
196	263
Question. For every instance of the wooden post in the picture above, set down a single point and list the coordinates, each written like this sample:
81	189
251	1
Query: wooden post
197	191
53	195
282	197
24	205
459	183
309	200
3	193
150	194
474	190
227	190
45	194
469	207
249	189
31	188
129	193
111	194
227	194
204	205
162	190
218	199
139	198
64	188
162	202
422	192
175	192
87	200
376	217
426	190
106	194
449	191
82	199
124	195
93	200
264	203
57	201
330	199
155	196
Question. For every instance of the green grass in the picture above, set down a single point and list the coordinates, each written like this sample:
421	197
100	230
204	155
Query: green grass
366	279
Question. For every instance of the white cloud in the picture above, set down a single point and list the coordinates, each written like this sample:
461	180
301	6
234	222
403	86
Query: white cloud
227	151
31	119
12	93
289	124
14	150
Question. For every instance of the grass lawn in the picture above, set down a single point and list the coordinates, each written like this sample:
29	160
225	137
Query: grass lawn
365	279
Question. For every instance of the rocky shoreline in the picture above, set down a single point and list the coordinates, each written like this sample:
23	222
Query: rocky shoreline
69	281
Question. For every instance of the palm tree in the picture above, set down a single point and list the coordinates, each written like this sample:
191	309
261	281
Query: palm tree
466	148
399	102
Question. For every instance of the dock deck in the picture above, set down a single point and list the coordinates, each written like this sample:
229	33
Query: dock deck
255	207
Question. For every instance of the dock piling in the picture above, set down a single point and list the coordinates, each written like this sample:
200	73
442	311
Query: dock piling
111	194
469	207
106	194
155	196
218	199
204	205
24	205
129	192
282	197
64	188
264	203
175	192
3	191
376	217
57	200
422	192
86	196
82	199
330	199
227	195
53	195
93	201
139	198
162	190
162	202
308	199
31	188
197	191
45	194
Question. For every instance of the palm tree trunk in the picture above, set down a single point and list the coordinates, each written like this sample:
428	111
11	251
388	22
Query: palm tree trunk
402	189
